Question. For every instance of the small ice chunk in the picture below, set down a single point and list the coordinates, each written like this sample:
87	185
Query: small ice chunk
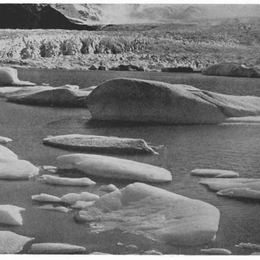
43	197
246	193
80	204
108	188
99	253
56	248
217	173
58	208
216	251
4	140
49	168
55	180
12	243
11	215
72	198
152	252
131	246
249	246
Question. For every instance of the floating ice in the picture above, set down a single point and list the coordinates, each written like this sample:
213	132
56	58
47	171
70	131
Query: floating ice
67	181
112	167
9	77
155	213
43	197
108	188
249	246
152	252
214	173
99	144
52	208
4	140
49	169
6	154
72	198
11	215
217	184
81	204
56	248
12	243
17	169
216	251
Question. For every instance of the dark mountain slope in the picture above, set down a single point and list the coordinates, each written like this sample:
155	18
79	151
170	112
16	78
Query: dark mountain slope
36	16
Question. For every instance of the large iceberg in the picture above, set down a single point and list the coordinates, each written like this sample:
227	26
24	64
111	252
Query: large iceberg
112	167
156	214
151	101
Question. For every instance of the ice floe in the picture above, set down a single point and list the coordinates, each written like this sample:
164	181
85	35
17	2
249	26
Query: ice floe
5	140
217	173
249	246
17	169
108	188
65	96
217	184
112	167
72	198
6	154
55	180
152	252
99	144
243	120
81	204
155	213
12	243
55	208
9	77
56	248
216	251
11	215
43	197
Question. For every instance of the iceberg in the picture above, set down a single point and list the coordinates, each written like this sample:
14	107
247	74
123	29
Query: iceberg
54	180
12	243
11	215
112	167
99	144
156	214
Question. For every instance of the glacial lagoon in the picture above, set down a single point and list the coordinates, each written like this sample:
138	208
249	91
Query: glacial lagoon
181	149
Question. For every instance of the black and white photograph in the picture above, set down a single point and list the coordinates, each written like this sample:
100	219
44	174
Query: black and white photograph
129	128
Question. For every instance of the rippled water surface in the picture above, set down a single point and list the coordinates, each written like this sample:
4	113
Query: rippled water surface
234	147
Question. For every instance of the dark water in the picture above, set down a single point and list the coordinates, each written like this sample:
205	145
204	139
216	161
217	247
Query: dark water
184	148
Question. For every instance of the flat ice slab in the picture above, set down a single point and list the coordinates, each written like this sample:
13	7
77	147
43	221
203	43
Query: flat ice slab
99	144
218	173
112	167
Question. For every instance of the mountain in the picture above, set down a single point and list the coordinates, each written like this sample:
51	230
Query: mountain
154	13
94	16
34	16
